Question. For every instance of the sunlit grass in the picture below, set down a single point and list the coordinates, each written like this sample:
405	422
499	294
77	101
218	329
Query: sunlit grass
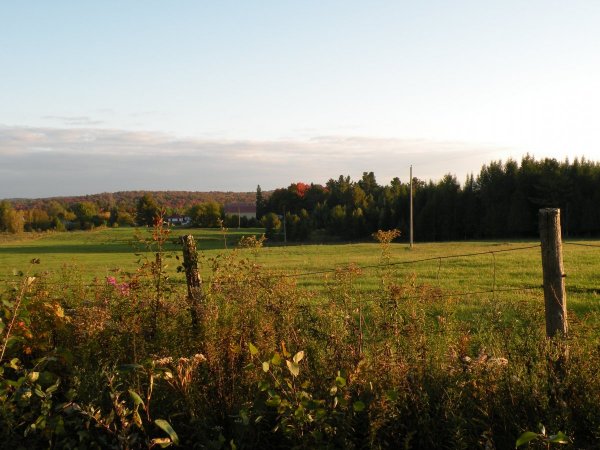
95	254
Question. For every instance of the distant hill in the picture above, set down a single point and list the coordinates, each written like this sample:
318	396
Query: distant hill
127	199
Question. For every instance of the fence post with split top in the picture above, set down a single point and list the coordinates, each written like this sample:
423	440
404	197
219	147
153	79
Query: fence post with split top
555	297
193	280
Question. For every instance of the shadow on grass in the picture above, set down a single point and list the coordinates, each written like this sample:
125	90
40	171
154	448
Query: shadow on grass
203	243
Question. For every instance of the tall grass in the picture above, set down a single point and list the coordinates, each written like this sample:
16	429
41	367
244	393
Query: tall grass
275	365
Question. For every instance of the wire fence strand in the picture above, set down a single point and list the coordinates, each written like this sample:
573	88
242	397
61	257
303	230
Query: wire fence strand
395	263
582	244
349	268
409	262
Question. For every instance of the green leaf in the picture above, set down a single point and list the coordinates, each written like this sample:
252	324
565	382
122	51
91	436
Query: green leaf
293	368
39	392
253	349
358	406
559	438
14	363
137	400
273	401
298	357
265	366
167	428
299	413
276	360
53	388
340	381
244	416
525	438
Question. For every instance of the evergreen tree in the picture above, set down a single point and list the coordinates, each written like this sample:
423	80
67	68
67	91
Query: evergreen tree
260	203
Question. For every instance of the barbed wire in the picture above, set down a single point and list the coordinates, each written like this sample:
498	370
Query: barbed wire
582	244
397	263
342	269
400	263
489	291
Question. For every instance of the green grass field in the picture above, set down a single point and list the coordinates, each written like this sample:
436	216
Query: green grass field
98	253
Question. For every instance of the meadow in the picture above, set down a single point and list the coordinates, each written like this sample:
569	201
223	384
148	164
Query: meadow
95	255
339	345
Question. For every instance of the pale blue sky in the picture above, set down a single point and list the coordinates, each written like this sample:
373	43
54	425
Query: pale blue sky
295	91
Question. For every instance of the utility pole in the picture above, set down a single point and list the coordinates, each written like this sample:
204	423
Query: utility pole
284	230
411	208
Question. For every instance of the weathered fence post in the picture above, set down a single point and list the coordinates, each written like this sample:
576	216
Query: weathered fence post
193	279
555	297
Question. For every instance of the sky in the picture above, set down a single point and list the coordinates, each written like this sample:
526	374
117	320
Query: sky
204	95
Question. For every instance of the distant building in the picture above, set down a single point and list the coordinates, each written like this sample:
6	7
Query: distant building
178	221
247	210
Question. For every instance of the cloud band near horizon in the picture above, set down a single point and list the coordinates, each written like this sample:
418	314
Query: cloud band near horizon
43	162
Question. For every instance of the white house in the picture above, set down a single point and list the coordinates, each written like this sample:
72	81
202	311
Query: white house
179	221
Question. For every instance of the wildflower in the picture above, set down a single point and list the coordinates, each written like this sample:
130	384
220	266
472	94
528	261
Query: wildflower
124	289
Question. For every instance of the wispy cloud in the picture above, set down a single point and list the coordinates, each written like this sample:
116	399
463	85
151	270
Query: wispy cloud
61	161
74	120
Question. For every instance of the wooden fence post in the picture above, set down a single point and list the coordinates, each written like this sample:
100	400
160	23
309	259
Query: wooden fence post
193	279
555	297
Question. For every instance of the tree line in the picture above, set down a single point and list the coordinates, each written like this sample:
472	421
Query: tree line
134	208
127	200
86	215
502	201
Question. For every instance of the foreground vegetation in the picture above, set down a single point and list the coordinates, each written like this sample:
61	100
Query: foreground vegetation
353	358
